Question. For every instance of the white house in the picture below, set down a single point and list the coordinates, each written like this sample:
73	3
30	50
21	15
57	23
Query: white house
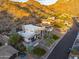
32	28
30	34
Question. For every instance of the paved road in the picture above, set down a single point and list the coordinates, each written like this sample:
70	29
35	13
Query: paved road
60	51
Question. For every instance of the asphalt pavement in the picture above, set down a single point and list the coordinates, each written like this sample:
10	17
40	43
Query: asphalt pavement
62	48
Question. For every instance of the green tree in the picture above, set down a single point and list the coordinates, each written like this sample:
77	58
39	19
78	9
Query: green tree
15	39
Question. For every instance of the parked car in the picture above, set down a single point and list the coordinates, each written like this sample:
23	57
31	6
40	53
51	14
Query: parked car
69	50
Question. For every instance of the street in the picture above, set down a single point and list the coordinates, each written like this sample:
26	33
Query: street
61	50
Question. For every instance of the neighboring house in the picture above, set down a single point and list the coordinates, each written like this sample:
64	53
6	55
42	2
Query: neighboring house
31	34
7	52
48	21
4	39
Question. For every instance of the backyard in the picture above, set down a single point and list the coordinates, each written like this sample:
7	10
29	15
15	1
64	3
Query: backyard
38	51
50	38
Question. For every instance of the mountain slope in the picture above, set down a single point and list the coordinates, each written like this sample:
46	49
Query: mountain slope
30	8
67	6
33	12
11	8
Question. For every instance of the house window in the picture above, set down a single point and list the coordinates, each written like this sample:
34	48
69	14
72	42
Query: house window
33	39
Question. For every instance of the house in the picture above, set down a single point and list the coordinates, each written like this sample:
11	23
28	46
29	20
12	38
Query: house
7	52
32	28
48	21
4	39
31	34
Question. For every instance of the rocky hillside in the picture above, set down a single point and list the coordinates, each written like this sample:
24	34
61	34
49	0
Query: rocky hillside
67	6
30	8
35	9
33	12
